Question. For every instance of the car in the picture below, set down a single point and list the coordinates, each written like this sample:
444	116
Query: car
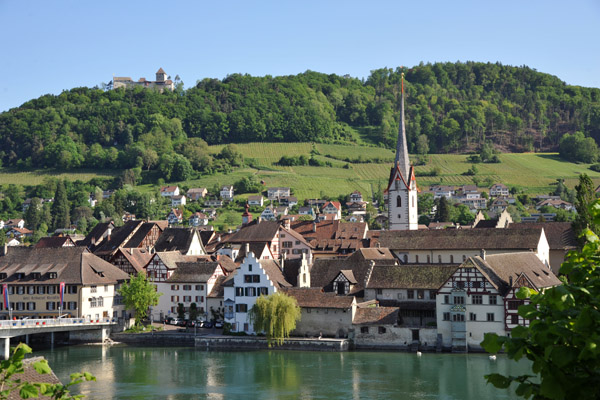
175	321
168	320
207	324
181	322
218	324
190	324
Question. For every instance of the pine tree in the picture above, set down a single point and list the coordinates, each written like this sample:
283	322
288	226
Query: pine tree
33	215
60	208
584	199
443	211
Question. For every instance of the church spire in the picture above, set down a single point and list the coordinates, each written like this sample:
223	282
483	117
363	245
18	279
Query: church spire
402	162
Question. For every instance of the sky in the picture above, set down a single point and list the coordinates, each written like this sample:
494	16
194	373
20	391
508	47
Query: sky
52	46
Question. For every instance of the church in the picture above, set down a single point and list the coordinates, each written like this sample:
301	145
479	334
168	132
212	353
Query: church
402	187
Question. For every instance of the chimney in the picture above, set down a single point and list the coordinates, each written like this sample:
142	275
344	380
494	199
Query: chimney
286	224
314	225
282	263
109	231
247	248
482	254
378	245
5	249
510	281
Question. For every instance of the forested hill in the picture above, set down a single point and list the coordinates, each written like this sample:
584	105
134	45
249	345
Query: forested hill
457	106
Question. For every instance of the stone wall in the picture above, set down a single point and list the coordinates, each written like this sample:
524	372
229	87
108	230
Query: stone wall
395	338
255	343
156	339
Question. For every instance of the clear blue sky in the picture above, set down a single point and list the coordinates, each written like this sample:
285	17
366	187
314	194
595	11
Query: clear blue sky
51	46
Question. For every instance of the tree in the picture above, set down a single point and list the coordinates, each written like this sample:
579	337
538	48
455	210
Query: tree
276	316
139	294
422	145
12	382
2	237
60	208
33	214
561	340
443	210
584	198
180	311
194	312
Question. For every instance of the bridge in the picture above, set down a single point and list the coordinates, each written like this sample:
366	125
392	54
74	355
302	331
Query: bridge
85	329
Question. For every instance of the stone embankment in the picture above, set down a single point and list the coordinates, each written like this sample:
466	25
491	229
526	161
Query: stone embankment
258	343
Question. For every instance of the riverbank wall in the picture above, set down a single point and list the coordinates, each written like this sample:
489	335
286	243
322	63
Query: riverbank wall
258	343
155	339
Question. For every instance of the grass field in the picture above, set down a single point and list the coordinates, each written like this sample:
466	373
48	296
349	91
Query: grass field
36	177
532	172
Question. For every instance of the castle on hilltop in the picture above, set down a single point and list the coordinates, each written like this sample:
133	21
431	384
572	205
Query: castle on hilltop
161	83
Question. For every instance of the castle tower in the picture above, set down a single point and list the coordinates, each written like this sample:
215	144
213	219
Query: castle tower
402	187
161	75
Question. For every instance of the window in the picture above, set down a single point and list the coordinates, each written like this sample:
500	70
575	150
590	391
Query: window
420	294
264	291
477	299
100	302
187	287
439	258
514	304
297	242
398	201
458	317
249	267
53	275
174	299
174	287
428	259
472	317
50	305
251	278
287	244
30	289
239	291
187	299
197	299
20	306
493	299
364	329
476	284
41	290
241	308
446	299
72	289
410	294
464	258
459	300
514	319
228	312
417	258
432	294
31	306
72	305
379	291
490	317
382	330
106	288
451	259
251	292
446	316
20	289
93	289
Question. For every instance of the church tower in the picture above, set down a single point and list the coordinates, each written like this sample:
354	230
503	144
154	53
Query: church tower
402	187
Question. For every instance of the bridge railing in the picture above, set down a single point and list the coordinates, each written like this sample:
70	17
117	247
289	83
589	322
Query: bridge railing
41	323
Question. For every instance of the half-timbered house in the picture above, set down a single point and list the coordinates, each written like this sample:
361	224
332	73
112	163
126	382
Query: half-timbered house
480	297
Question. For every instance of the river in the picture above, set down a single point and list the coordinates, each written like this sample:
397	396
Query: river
185	373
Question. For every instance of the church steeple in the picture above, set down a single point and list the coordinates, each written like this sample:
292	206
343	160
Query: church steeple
402	161
402	188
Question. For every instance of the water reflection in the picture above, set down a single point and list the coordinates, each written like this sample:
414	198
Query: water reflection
185	373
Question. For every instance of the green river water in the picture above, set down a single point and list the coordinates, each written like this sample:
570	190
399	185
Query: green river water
185	373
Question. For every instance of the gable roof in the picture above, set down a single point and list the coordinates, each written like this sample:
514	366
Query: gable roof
255	231
96	234
171	258
30	374
273	271
427	276
54	241
198	271
118	238
140	234
376	316
176	239
218	291
73	265
560	235
137	258
503	269
316	298
444	239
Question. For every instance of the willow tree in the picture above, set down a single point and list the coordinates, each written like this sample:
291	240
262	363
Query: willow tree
275	315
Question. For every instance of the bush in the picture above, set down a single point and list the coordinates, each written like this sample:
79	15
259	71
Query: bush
595	167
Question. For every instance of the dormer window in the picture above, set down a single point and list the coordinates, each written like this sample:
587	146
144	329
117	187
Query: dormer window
53	275
36	275
3	275
20	275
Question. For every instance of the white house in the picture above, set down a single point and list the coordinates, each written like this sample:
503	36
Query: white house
256	200
191	282
253	278
275	193
179	200
169	191
480	297
499	189
196	194
269	214
198	219
356	197
227	192
333	207
175	216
